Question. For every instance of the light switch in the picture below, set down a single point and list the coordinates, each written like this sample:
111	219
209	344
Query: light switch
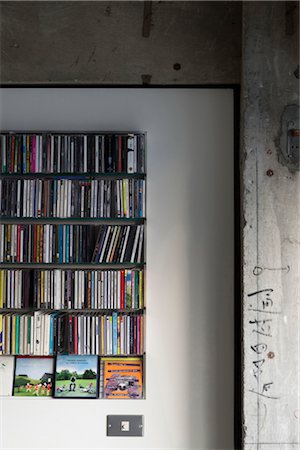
125	425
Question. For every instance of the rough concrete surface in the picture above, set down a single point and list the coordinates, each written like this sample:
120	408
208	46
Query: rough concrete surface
200	42
102	42
271	233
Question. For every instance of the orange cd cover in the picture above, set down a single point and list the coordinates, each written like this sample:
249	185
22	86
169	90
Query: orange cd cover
123	378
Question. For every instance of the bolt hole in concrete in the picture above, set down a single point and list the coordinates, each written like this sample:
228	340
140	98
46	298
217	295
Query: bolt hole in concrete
177	66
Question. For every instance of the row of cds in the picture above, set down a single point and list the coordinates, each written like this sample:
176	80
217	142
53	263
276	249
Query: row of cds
72	289
47	334
71	243
72	198
72	153
120	243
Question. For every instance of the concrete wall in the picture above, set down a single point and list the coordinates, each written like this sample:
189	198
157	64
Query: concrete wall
271	232
103	42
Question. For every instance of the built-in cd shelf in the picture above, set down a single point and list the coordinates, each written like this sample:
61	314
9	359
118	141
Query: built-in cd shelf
87	266
74	220
74	196
77	175
126	355
73	311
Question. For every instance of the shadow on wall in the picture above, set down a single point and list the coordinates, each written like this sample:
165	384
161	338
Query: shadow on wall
211	298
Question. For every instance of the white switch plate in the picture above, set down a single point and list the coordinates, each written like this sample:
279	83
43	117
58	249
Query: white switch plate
125	425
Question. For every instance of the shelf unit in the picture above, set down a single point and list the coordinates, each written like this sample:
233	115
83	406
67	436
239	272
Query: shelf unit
72	310
82	266
73	220
71	175
85	176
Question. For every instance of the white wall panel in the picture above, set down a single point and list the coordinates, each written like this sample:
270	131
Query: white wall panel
189	334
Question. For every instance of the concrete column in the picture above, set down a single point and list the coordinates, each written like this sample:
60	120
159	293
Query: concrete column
271	235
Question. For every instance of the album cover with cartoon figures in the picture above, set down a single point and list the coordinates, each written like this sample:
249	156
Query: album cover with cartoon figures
33	376
123	378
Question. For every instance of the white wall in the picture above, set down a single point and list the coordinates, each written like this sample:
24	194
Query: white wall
189	372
